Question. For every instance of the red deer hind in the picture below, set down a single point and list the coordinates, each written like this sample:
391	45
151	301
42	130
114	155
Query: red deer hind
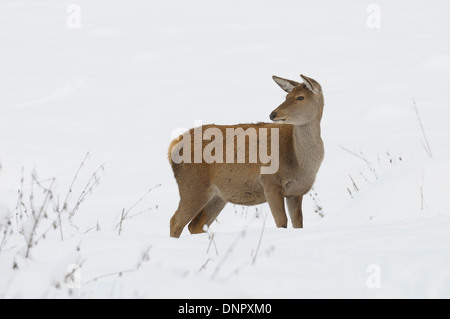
207	185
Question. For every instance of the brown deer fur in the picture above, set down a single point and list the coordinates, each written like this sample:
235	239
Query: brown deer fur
206	188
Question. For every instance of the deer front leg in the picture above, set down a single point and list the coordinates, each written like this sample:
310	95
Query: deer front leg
294	204
275	199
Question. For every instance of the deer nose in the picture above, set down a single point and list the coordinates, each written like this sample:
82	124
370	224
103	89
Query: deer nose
273	115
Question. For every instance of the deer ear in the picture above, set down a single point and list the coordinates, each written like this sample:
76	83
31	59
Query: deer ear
285	84
311	84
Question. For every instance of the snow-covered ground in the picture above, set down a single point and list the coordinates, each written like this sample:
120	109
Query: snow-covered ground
118	86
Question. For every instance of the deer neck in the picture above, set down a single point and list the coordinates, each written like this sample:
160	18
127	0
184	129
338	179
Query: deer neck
307	140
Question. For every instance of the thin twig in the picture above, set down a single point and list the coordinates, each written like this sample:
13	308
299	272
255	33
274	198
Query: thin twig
350	192
228	253
143	258
317	206
94	180
353	153
426	144
69	192
204	265
355	188
97	227
363	176
362	157
124	213
117	273
369	164
125	216
141	199
391	160
422	179
260	239
6	234
230	250
37	218
20	206
212	241
121	221
60	223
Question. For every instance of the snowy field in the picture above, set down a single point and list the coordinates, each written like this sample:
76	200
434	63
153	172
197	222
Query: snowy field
120	79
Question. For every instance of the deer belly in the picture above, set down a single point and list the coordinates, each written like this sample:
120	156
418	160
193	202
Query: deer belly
246	193
247	198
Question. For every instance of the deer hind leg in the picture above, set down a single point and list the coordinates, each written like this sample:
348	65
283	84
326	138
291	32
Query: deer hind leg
207	215
294	204
188	208
275	199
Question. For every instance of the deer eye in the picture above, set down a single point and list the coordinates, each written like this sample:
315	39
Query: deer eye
300	98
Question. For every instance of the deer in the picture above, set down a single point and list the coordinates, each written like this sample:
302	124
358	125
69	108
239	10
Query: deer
206	187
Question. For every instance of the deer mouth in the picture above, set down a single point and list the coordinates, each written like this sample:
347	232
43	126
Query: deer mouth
275	117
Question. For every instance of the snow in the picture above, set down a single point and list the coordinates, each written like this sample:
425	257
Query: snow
4	214
121	84
397	194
